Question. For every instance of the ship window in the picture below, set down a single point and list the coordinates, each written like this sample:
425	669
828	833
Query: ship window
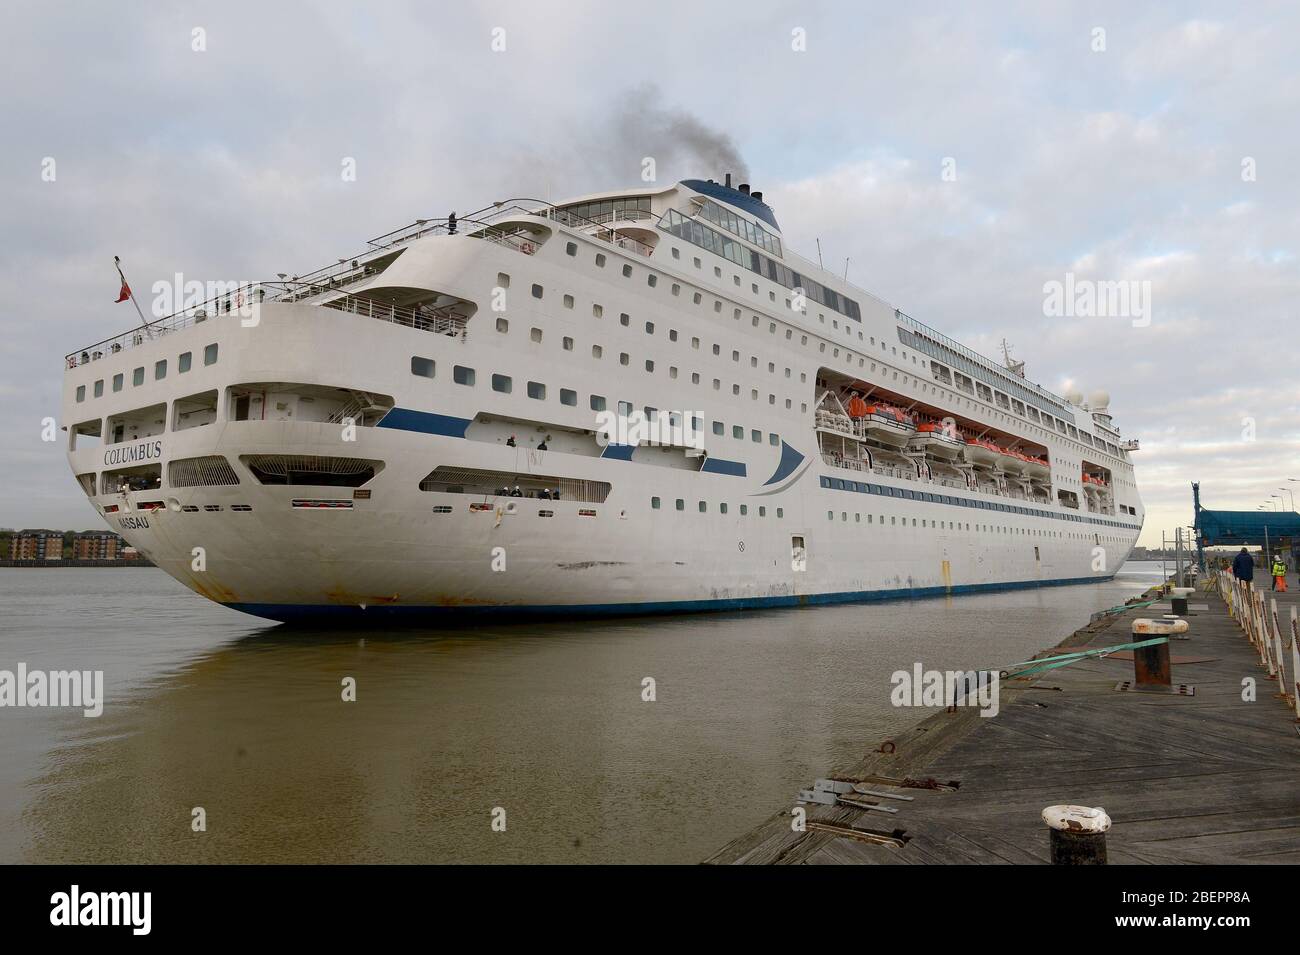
649	365
117	382
422	366
773	440
503	280
137	376
738	432
695	377
623	358
719	427
568	301
568	397
535	334
744	509
762	511
600	260
462	375
756	437
654	501
697	298
681	505
597	403
676	289
210	354
502	384
99	388
649	328
703	506
503	325
537	290
624	319
598	310
627	271
677	253
81	392
571	248
566	343
183	362
536	390
596	351
624	408
652	280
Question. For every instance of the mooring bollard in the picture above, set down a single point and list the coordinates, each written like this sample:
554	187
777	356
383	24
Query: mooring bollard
1077	834
1151	664
1178	600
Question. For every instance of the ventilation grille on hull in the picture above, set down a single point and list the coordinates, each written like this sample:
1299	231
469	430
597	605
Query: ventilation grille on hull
211	471
311	469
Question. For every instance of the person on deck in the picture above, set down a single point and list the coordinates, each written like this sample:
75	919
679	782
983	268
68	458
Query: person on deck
1243	567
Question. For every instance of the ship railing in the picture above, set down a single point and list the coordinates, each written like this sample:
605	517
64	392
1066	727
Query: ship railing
596	227
240	302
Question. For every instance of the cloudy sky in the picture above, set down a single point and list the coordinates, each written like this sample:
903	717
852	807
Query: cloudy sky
959	155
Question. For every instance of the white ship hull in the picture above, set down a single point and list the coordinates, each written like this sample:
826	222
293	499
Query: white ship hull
761	523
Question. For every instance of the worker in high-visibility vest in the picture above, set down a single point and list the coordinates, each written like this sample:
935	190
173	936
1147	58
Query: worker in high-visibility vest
1279	573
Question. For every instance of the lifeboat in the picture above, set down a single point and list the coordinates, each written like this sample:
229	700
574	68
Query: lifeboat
1037	468
934	439
886	424
1094	481
983	451
857	408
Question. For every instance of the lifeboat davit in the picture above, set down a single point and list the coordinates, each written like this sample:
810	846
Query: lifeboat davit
934	439
887	424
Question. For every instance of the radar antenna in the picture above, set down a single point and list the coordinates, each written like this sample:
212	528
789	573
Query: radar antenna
1013	366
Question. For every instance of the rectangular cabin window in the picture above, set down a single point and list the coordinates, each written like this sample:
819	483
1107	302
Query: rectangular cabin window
462	375
183	362
422	366
117	382
137	377
160	370
81	392
210	354
502	383
537	390
568	397
597	402
99	388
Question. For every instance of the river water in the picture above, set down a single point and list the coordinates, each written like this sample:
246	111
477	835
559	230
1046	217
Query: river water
540	726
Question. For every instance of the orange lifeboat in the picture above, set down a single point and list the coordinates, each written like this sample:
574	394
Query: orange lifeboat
886	424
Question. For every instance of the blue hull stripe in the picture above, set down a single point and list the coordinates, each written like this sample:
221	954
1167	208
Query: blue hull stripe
334	614
618	452
790	459
721	466
425	422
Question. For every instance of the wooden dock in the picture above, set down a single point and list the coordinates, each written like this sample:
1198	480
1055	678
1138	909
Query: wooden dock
1201	778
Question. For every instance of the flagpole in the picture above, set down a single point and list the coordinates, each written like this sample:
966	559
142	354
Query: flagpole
131	295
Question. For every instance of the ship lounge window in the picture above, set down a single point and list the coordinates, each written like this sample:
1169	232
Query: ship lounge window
117	382
537	390
597	403
137	377
501	383
422	366
160	370
99	388
462	375
568	397
210	354
738	432
81	392
183	361
719	427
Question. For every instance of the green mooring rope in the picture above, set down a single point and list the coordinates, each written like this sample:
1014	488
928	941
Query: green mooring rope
1065	659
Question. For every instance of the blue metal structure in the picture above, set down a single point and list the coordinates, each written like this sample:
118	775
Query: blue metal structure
1277	529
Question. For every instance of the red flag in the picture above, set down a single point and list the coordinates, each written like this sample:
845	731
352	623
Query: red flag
124	293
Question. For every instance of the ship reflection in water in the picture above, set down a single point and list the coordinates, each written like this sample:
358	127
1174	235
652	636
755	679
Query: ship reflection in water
545	721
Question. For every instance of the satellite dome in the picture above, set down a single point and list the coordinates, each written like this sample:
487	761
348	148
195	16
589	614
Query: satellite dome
1100	400
1074	396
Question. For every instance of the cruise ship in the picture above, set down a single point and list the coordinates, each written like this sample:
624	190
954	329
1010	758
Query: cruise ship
635	401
